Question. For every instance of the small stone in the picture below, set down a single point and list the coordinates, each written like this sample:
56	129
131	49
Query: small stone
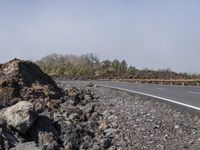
176	126
74	116
47	139
50	105
161	147
103	126
105	142
156	126
91	84
96	147
112	148
110	131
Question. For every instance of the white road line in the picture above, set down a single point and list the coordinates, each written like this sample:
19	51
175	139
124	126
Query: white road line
154	96
193	92
160	88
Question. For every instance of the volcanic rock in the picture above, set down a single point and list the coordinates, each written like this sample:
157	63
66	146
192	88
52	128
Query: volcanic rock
27	146
8	138
46	139
42	125
20	116
24	79
43	117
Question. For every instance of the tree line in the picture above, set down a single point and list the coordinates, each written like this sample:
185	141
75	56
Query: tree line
84	66
89	66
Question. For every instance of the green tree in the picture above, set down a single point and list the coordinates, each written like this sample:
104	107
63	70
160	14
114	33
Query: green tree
131	70
116	67
104	68
87	66
123	67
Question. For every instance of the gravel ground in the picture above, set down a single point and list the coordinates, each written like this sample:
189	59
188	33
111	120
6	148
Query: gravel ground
147	124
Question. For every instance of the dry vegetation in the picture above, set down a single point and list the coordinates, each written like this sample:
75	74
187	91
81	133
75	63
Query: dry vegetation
90	67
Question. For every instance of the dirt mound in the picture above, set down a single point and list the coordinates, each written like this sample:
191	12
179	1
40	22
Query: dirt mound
25	80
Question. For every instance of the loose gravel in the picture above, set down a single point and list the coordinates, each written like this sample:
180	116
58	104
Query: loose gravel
145	123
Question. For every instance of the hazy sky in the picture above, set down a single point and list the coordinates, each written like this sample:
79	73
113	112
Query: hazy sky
146	33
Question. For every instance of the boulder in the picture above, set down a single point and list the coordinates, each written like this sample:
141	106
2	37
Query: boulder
20	116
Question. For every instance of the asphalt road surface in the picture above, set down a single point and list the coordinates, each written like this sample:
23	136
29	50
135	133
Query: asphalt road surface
186	96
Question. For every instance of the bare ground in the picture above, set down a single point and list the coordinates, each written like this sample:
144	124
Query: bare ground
147	124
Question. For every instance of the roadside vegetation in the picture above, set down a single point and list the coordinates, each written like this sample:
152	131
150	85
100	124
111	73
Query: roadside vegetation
90	67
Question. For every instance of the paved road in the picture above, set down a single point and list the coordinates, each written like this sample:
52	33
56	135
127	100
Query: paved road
187	96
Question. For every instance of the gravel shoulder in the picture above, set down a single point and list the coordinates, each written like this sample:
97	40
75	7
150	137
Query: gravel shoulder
145	123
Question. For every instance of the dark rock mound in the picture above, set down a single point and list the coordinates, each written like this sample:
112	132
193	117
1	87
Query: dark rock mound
160	74
72	123
25	80
42	116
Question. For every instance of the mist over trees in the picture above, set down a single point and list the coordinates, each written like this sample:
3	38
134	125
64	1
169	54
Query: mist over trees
84	66
89	66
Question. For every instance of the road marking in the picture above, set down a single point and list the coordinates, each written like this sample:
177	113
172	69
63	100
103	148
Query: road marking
160	88
154	96
193	92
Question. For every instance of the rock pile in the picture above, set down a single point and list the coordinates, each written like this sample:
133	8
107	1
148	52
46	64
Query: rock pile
23	80
46	117
160	74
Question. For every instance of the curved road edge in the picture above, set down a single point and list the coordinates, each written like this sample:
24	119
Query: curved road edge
150	95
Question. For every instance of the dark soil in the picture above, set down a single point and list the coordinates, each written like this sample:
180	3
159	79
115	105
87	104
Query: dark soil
24	80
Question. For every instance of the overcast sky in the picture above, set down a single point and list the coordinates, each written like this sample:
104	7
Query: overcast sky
147	34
